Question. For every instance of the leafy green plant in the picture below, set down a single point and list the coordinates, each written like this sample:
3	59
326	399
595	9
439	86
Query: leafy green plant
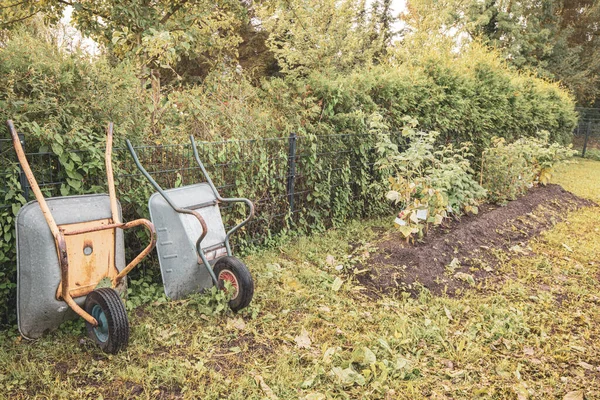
11	200
143	291
213	301
509	169
427	181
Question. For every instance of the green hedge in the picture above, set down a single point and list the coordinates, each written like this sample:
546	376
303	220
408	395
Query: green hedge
463	105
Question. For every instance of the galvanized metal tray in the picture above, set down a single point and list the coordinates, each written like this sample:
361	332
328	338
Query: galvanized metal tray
38	269
182	270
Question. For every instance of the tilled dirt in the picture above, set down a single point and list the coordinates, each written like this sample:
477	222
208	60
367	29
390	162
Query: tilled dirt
465	253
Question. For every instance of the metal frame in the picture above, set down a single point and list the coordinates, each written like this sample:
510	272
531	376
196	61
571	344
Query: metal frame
61	233
197	215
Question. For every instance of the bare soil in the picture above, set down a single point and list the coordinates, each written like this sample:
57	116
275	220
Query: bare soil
466	252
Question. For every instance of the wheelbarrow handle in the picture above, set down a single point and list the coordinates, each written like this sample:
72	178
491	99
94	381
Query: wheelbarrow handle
223	199
167	198
152	231
31	179
109	174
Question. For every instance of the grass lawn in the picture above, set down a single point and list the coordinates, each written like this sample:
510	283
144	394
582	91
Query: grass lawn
312	334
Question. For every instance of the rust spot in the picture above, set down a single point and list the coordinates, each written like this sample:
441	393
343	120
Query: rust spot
88	247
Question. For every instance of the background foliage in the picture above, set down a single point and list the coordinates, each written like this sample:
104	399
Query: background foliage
559	40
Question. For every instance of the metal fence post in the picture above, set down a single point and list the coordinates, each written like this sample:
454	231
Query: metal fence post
587	136
291	169
22	178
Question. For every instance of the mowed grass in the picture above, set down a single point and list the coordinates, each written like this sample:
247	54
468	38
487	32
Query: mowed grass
312	334
581	177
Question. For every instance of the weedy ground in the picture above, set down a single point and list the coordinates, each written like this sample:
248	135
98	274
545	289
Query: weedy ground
311	333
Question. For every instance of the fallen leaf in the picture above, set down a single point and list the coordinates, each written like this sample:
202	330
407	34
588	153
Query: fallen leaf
586	365
521	392
302	340
517	249
337	284
330	260
448	314
308	382
236	323
292	283
449	364
348	376
265	388
528	351
454	264
328	355
364	356
578	348
463	276
575	395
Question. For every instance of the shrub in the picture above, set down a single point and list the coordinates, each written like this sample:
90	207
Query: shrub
66	93
508	169
62	100
428	181
471	97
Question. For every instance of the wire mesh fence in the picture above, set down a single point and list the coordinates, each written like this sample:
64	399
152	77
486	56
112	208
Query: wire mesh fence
295	182
587	133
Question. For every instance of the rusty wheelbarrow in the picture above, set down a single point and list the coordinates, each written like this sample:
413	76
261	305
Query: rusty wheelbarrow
193	247
66	246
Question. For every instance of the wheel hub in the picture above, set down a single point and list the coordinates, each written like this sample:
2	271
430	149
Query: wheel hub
228	276
101	330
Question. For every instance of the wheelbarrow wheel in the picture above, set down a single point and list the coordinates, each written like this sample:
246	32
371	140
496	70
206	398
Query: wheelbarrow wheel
112	332
232	270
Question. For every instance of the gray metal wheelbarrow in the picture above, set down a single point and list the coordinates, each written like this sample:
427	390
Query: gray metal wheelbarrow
193	247
66	246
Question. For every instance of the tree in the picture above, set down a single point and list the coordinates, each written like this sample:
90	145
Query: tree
560	40
306	35
157	34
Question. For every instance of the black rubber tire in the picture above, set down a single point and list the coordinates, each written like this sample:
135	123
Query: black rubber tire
244	279
111	305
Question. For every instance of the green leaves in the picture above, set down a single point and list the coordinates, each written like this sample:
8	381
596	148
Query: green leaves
363	356
348	376
337	284
430	180
509	169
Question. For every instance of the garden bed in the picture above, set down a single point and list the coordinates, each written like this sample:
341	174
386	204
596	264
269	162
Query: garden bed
467	252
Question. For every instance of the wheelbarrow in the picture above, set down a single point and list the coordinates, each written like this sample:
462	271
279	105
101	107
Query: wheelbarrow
193	248
66	247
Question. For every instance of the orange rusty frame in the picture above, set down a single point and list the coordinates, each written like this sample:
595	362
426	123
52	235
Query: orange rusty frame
59	234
